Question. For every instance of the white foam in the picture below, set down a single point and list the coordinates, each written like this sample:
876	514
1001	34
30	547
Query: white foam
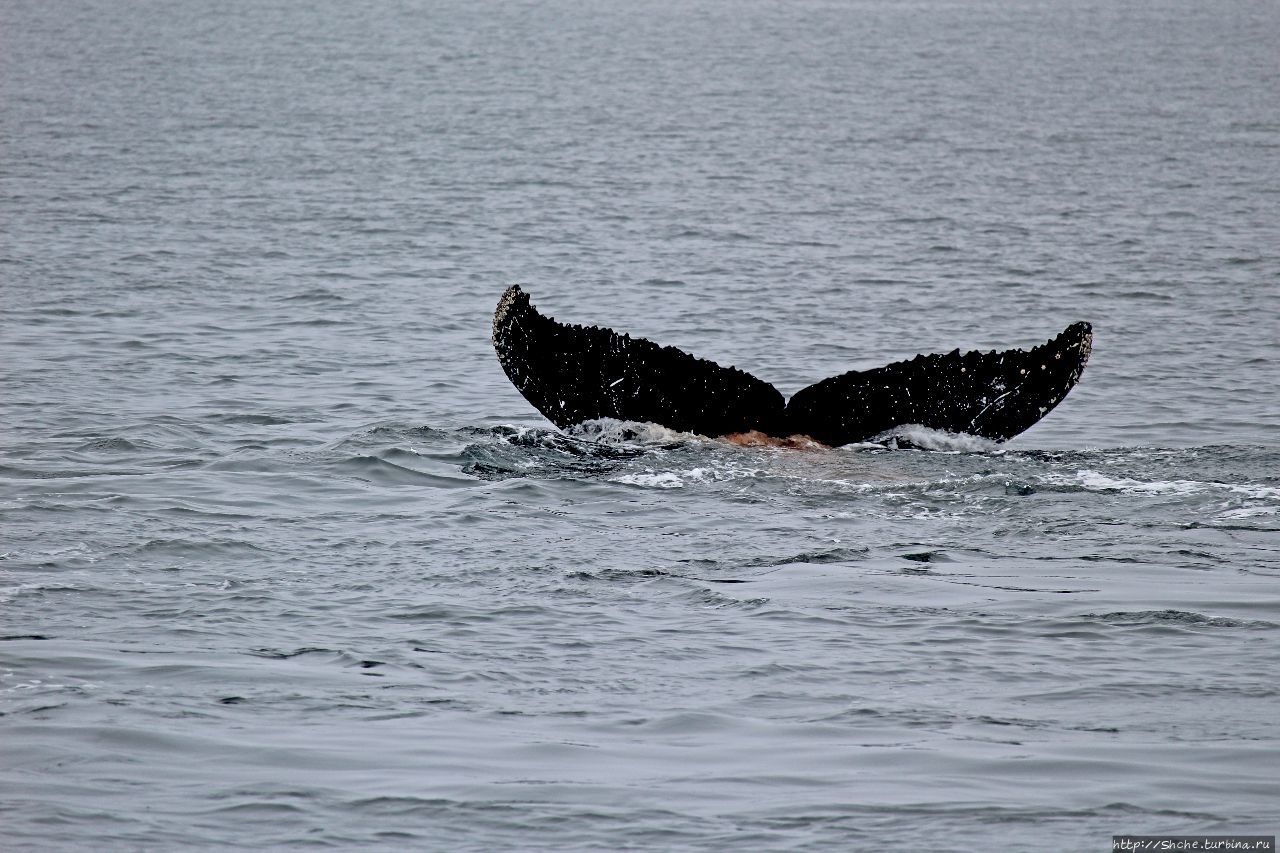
613	431
927	438
1249	512
1099	482
677	479
663	480
1096	481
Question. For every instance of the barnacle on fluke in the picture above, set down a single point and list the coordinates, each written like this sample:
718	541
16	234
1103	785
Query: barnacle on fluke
575	373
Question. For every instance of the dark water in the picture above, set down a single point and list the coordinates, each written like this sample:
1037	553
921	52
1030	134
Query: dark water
287	561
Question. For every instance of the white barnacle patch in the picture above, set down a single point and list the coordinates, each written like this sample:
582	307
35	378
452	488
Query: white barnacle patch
504	305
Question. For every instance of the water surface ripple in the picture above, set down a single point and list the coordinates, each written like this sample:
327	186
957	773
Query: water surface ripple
286	561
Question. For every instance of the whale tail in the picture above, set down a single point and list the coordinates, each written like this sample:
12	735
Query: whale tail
576	373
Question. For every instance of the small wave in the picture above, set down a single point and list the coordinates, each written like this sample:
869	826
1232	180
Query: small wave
15	473
614	432
712	600
37	590
1249	512
507	451
504	451
1182	618
917	437
375	469
203	549
542	438
1092	480
250	418
681	478
117	444
664	480
621	574
280	654
402	435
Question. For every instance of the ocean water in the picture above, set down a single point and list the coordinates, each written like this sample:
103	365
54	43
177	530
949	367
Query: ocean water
285	561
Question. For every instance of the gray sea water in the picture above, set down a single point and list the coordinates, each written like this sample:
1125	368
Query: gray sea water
286	561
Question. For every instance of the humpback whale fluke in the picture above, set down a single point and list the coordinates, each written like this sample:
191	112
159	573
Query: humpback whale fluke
575	373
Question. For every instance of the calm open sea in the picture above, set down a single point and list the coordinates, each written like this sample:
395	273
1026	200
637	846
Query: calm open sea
286	561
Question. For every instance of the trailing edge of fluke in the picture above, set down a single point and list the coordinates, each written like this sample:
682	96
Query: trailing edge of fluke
575	373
